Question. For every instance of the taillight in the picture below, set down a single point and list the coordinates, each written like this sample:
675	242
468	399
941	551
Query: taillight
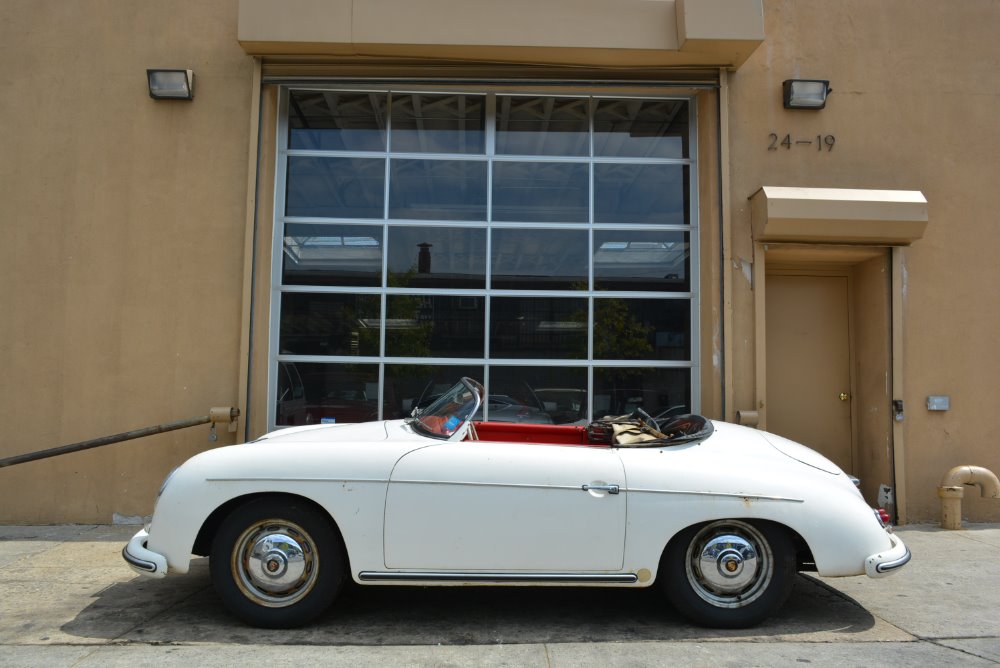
883	516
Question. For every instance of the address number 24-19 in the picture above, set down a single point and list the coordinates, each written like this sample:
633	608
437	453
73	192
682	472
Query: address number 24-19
787	142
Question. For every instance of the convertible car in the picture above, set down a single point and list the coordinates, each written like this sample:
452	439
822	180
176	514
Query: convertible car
719	517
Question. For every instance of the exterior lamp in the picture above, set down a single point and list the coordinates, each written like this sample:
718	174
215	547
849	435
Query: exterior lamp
171	84
805	93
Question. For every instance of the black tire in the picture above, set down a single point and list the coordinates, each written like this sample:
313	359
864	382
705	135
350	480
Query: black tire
277	563
728	574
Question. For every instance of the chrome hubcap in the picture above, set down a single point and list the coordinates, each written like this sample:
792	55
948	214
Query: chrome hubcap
729	564
275	563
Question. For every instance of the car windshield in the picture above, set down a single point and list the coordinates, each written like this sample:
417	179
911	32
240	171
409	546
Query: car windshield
450	411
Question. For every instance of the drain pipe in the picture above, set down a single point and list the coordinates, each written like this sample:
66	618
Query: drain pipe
952	489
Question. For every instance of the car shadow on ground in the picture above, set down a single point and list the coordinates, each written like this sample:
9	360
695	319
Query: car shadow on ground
186	610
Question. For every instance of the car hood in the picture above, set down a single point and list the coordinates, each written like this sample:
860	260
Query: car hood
362	431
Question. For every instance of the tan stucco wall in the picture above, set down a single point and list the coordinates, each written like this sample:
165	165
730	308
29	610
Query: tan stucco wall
121	255
915	93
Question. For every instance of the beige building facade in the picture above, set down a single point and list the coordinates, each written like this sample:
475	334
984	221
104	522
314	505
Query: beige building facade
599	205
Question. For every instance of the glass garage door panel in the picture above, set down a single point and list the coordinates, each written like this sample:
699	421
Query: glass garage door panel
541	192
536	259
437	257
659	392
437	189
348	255
641	194
312	393
538	395
337	121
538	328
434	326
641	128
638	260
532	125
650	329
329	324
409	386
438	123
335	187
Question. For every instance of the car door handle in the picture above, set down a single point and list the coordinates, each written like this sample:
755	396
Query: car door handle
610	489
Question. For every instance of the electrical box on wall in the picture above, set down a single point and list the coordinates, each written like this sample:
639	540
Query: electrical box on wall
938	403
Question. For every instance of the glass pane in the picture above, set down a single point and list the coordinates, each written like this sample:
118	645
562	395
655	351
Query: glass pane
641	261
311	393
438	123
332	255
542	126
659	392
329	324
653	194
542	192
335	187
538	327
539	395
641	128
409	386
539	259
437	189
336	121
432	326
635	329
437	257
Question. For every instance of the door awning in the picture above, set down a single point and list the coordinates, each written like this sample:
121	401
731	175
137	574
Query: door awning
838	215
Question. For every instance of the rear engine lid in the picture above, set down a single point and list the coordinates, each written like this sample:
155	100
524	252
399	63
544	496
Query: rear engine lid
801	453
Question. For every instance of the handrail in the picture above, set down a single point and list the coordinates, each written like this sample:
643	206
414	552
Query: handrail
226	414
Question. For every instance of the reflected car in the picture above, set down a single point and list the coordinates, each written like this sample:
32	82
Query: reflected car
718	517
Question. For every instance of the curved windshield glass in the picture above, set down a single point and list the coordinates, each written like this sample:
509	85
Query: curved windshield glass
450	411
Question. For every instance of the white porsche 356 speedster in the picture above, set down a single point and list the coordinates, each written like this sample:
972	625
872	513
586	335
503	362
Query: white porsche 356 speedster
720	517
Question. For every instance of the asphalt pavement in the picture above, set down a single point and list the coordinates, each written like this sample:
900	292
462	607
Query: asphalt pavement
67	599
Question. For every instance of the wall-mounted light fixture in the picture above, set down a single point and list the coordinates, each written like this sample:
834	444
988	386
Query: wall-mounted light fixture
171	84
805	93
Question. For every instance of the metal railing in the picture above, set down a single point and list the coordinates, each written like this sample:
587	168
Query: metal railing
225	415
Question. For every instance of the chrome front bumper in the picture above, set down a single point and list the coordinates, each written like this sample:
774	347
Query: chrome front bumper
143	560
888	562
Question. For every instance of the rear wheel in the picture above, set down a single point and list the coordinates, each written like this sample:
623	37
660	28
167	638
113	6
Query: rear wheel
730	573
277	563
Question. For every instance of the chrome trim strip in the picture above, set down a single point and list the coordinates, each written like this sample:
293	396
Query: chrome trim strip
138	563
733	495
404	576
278	479
467	483
887	566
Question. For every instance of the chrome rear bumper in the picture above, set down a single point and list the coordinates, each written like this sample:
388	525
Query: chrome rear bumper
888	562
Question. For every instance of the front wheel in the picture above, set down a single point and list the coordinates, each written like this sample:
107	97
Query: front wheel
276	563
730	573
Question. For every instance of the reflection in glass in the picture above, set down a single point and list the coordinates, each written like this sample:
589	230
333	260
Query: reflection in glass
659	392
538	328
542	192
312	393
434	326
542	126
438	123
409	386
630	260
336	121
329	324
437	257
641	128
437	189
539	259
538	395
348	255
634	329
335	187
641	194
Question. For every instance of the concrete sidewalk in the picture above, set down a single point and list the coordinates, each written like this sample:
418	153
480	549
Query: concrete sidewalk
67	599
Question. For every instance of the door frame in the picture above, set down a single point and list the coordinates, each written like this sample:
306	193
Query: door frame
827	257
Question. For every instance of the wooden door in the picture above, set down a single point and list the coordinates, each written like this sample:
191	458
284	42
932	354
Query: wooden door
809	363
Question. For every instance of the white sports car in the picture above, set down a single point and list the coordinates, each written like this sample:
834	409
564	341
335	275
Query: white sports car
720	517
